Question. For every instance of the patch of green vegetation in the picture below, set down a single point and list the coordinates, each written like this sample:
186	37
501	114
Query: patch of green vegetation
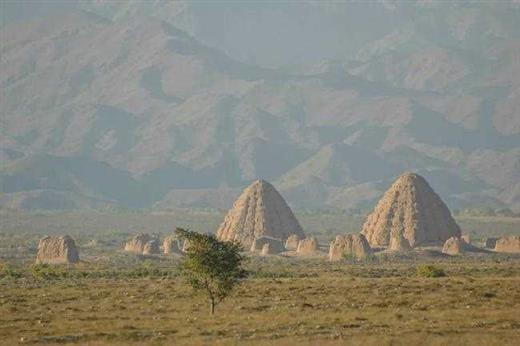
49	272
8	271
351	258
430	271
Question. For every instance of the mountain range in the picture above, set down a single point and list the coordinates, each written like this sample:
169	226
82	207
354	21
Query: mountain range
136	105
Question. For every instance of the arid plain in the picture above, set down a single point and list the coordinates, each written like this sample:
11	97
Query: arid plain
121	298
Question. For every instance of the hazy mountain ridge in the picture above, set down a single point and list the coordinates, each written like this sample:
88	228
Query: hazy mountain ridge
134	112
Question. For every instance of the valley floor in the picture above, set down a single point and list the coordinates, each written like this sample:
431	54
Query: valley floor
285	302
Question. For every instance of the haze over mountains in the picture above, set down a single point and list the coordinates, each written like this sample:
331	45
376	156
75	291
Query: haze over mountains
156	104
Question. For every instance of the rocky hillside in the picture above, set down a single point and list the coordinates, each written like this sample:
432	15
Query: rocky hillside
131	111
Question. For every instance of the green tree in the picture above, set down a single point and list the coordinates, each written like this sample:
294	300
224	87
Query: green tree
211	266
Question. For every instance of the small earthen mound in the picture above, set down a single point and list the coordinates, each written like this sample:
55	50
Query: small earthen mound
137	243
171	245
57	250
275	245
454	246
508	244
350	245
259	211
266	249
291	243
152	247
399	243
307	246
491	243
411	208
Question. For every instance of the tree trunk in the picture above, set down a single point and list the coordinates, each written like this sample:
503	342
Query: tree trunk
212	306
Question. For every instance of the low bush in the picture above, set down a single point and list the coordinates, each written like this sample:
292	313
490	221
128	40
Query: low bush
430	271
149	269
351	258
7	271
48	272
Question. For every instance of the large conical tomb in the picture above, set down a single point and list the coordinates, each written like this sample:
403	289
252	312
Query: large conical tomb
411	209
259	211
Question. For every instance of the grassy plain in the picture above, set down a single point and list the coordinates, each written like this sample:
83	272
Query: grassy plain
284	302
118	298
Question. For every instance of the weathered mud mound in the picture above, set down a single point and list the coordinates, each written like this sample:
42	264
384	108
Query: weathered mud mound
152	247
307	246
56	250
275	245
137	243
412	209
355	245
459	246
267	249
454	246
508	244
291	243
399	243
259	211
171	245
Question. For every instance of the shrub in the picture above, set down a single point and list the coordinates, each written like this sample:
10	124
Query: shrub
48	272
430	271
348	257
148	269
351	258
6	271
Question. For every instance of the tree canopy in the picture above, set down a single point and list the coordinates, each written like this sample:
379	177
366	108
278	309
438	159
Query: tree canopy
210	265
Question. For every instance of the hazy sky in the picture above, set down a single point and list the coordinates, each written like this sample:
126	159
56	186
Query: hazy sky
265	33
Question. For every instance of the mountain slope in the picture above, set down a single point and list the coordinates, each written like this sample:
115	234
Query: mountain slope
134	112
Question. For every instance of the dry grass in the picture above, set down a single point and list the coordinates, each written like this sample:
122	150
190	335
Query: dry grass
118	298
304	302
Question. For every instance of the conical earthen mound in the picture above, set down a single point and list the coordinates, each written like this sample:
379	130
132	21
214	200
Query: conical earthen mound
259	211
410	208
